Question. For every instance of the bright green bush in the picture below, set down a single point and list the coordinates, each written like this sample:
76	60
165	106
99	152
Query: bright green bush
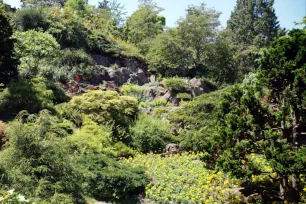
69	113
34	48
175	84
91	138
27	19
108	179
108	107
150	134
184	96
32	96
134	91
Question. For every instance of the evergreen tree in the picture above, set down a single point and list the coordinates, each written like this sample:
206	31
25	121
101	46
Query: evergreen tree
253	22
8	68
283	70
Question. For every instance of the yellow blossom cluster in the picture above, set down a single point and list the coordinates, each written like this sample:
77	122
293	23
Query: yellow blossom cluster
184	179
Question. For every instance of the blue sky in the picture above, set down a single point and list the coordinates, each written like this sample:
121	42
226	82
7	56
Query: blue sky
288	11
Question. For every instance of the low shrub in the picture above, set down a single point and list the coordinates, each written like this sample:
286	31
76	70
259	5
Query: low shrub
184	179
31	95
91	138
154	104
108	108
175	84
184	96
37	161
70	63
110	180
134	91
150	134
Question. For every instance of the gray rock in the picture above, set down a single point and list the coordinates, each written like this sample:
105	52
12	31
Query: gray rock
138	78
101	60
197	87
99	75
171	149
119	76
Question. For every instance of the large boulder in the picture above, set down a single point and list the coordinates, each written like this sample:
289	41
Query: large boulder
138	78
119	76
197	87
99	75
102	60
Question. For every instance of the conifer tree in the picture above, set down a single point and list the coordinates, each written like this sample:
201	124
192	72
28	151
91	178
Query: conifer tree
8	68
253	22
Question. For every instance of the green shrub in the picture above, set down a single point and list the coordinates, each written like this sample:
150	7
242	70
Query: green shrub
70	63
184	96
154	104
134	91
209	83
108	179
37	161
8	63
121	150
91	138
69	113
175	84
35	49
150	134
32	96
27	19
108	107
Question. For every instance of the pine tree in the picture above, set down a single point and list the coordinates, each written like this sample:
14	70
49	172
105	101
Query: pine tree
283	70
253	22
8	68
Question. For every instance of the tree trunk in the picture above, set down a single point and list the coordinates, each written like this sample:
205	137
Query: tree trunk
283	187
295	178
283	122
283	178
294	126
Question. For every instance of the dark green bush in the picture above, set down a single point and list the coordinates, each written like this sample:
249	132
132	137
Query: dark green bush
31	95
27	19
150	134
37	161
108	179
8	64
70	63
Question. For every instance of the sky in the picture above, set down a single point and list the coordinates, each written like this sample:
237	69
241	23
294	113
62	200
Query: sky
287	11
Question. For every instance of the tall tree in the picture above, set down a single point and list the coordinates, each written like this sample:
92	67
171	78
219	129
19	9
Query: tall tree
283	70
144	25
199	31
116	9
187	49
8	65
253	22
43	2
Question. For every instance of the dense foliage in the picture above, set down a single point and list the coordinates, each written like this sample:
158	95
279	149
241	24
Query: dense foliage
8	69
150	134
232	100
